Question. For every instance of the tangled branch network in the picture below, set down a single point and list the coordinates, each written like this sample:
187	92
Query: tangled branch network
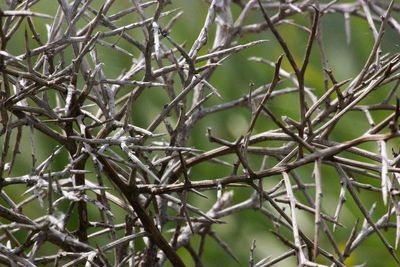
85	180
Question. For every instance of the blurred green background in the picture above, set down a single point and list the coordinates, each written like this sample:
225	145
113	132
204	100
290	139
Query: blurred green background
232	81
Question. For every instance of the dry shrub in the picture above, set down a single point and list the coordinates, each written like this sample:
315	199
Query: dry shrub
99	189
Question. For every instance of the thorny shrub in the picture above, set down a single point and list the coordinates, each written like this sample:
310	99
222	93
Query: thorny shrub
109	192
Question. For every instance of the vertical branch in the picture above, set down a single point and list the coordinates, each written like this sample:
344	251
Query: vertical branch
318	197
300	255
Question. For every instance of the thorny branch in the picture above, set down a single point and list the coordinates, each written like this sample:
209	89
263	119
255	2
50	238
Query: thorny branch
57	88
